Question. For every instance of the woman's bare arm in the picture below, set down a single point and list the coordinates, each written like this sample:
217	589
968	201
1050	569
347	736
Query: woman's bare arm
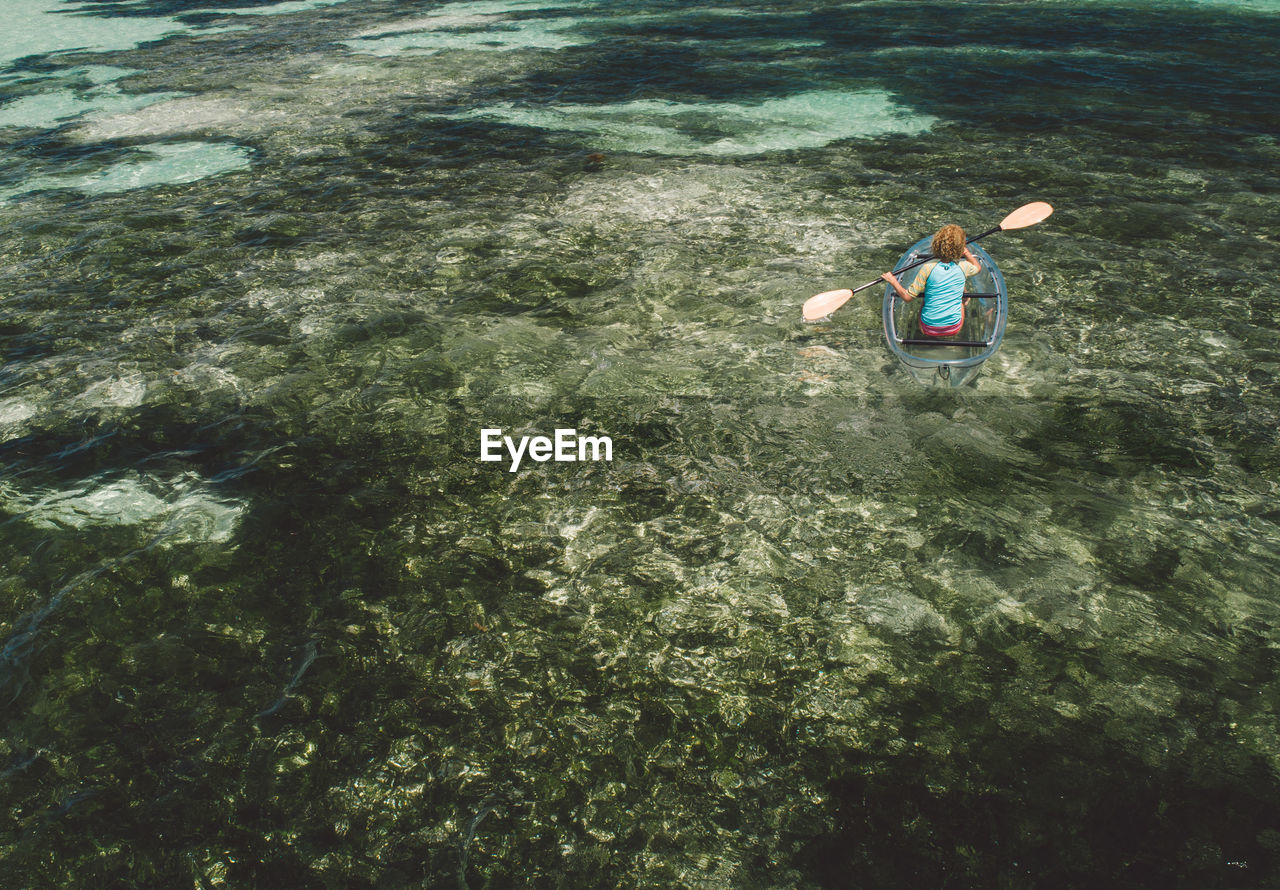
902	291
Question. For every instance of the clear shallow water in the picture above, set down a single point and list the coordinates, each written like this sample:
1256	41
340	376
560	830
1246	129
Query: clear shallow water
269	621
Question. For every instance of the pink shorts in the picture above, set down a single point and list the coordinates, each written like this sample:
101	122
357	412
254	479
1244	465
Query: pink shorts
931	331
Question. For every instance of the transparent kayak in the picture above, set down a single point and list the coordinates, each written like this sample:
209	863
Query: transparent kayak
954	360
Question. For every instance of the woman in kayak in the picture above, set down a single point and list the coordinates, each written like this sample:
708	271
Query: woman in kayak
942	282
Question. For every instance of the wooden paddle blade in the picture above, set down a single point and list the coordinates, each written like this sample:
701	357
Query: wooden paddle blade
825	303
1026	215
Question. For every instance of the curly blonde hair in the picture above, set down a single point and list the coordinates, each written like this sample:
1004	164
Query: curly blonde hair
948	244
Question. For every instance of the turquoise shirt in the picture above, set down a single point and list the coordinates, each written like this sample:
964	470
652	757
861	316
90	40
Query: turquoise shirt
943	287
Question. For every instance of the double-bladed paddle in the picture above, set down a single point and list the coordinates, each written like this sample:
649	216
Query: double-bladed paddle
827	302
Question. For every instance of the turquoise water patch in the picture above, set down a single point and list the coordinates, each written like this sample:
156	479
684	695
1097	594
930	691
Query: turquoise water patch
503	7
166	164
485	25
804	120
36	27
52	26
480	25
460	32
94	74
280	8
48	109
